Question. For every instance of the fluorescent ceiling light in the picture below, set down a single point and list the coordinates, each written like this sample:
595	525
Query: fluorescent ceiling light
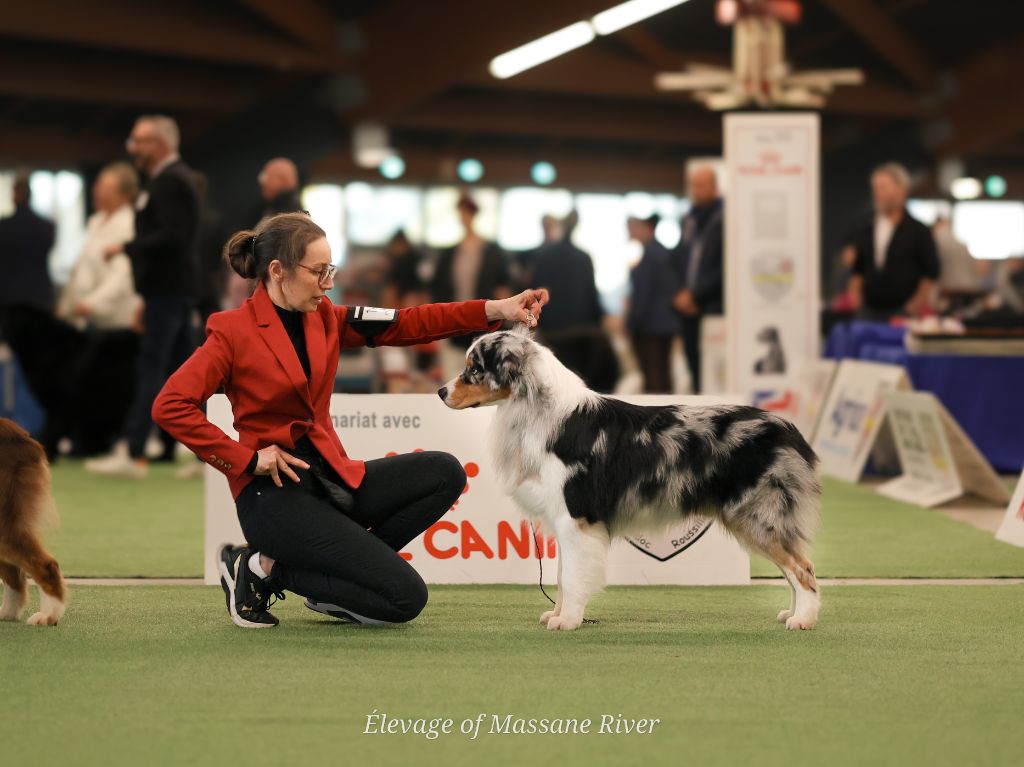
623	15
542	49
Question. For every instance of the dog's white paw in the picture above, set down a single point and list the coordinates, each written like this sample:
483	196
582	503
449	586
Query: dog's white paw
43	619
561	623
797	623
546	616
784	616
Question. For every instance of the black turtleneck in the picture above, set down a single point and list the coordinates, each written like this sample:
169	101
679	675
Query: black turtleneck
292	322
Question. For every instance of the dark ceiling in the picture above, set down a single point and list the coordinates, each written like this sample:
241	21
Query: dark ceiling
942	79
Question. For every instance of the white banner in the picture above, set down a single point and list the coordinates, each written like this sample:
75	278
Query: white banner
483	538
1012	528
771	252
853	416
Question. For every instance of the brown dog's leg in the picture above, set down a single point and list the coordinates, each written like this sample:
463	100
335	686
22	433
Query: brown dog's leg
15	592
44	570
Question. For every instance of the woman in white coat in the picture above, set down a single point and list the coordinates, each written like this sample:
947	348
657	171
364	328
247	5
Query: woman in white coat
101	293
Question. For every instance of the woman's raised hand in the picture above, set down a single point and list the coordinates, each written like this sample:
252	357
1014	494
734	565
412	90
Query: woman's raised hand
524	307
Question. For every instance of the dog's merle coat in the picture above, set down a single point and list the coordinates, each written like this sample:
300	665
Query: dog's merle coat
593	468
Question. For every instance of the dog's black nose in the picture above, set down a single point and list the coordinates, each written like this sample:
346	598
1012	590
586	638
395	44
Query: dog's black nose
442	392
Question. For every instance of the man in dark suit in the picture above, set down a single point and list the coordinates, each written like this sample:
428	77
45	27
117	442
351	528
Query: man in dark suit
895	263
25	242
698	259
165	265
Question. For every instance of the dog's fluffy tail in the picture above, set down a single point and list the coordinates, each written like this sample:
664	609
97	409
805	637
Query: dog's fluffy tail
26	501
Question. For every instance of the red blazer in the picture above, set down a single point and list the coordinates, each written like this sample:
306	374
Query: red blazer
248	354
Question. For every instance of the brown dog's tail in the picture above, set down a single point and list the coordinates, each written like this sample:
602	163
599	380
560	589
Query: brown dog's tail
26	502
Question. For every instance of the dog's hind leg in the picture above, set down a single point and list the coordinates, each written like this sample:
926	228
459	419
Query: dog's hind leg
799	573
549	614
44	570
582	557
15	592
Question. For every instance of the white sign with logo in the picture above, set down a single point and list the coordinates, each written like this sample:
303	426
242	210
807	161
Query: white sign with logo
483	538
1012	528
771	254
853	416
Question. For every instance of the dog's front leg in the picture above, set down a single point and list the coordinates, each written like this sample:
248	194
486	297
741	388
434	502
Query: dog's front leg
582	556
546	616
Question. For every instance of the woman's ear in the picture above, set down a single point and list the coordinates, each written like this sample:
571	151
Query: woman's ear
276	270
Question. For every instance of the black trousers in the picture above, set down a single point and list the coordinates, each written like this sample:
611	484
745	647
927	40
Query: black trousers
653	355
351	560
167	341
690	327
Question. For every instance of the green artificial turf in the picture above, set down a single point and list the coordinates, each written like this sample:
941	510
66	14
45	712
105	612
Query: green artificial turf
153	528
911	675
112	527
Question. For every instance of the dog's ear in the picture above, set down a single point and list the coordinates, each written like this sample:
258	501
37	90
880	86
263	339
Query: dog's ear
520	329
508	367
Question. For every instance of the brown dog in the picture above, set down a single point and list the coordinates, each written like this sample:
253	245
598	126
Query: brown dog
26	506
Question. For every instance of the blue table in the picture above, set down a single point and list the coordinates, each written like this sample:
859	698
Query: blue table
984	394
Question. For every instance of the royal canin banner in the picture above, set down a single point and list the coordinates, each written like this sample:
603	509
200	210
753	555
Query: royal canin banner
484	538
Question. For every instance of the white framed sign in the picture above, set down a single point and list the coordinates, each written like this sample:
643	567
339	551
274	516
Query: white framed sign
771	251
483	538
929	475
853	415
1012	528
938	460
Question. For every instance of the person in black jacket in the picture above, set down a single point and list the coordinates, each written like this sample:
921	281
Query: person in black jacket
895	262
279	188
25	242
165	264
473	268
574	332
698	262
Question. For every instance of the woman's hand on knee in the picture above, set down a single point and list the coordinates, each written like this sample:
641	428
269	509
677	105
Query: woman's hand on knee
274	461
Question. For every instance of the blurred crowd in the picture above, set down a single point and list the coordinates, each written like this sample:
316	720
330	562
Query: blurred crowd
96	350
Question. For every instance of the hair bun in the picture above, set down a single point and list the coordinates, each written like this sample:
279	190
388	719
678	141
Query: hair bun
240	252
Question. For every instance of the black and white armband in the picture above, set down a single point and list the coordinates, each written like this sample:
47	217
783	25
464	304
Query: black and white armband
369	321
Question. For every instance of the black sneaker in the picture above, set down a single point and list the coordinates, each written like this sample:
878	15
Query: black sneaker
246	595
333	610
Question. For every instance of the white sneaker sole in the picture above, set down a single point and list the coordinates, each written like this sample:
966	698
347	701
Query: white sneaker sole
340	613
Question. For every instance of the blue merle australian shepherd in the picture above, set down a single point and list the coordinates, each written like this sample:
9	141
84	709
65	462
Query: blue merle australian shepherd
591	468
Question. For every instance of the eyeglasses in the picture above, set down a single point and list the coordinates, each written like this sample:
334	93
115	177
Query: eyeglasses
324	274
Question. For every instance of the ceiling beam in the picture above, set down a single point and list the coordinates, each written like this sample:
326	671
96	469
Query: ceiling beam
498	114
206	32
52	148
306	21
640	40
106	81
580	172
988	109
419	52
879	32
590	71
